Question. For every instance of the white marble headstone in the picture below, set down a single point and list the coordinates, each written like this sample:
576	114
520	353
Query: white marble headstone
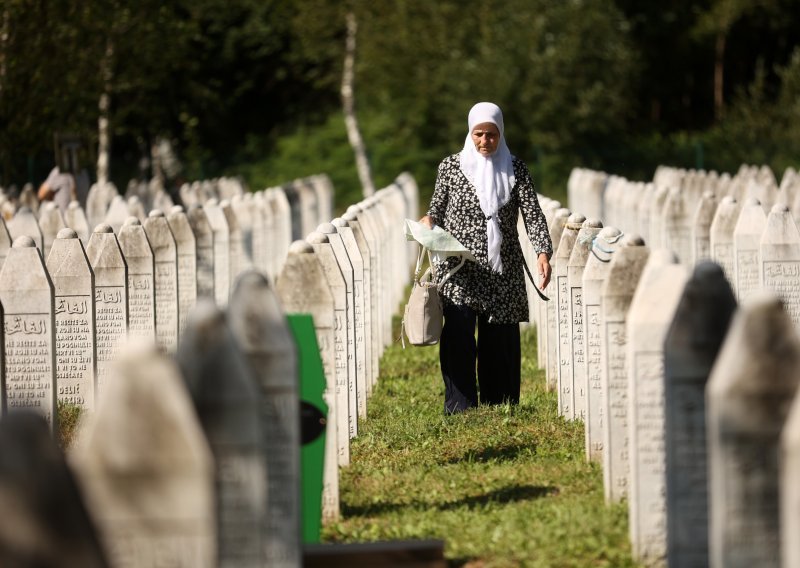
141	280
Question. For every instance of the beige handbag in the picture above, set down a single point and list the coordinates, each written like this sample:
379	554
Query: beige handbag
422	318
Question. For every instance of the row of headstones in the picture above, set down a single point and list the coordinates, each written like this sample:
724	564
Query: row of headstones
350	274
629	342
192	459
745	222
235	457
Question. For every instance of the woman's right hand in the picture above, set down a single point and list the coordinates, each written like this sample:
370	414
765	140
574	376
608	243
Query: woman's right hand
427	220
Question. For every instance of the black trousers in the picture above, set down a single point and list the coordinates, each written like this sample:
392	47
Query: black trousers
496	351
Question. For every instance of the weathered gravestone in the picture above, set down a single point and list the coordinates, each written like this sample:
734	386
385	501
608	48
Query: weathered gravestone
98	201
361	310
602	250
238	258
73	283
355	379
371	338
335	280
651	312
693	341
789	461
136	208
259	325
303	288
364	226
576	374
676	229
145	467
50	223
26	295
204	245
5	241
141	280
242	207
746	247
780	259
624	271
222	251
75	219
45	522
748	397
24	223
551	308
260	238
721	235
117	213
282	228
701	228
228	404
165	256
187	263
562	302
110	298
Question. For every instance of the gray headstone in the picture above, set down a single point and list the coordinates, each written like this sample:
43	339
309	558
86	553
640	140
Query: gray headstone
677	228
228	405
136	208
141	280
363	321
594	274
336	282
98	201
303	288
50	223
651	312
222	251
110	298
551	308
165	255
75	219
371	338
24	223
355	378
5	241
576	375
242	206
261	330
187	263
780	259
145	468
46	522
693	341
789	488
73	283
721	235
204	244
260	250
117	214
749	395
562	301
238	257
701	228
624	271
26	295
746	248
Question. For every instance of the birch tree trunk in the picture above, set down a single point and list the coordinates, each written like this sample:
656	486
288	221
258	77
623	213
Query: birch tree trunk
103	106
348	104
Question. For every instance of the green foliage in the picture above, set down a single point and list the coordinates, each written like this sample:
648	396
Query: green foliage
69	416
502	486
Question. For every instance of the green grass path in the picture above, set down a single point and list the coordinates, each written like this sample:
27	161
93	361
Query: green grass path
502	486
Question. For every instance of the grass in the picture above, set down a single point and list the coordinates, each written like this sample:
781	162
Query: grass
502	486
69	416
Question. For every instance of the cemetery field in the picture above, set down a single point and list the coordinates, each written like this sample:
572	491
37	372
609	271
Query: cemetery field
502	486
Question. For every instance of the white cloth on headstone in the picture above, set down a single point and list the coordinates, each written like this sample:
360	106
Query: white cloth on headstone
492	176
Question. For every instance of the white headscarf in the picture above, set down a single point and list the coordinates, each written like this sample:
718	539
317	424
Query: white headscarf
492	176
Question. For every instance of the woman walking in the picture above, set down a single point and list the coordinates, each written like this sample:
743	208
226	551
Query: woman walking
478	195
